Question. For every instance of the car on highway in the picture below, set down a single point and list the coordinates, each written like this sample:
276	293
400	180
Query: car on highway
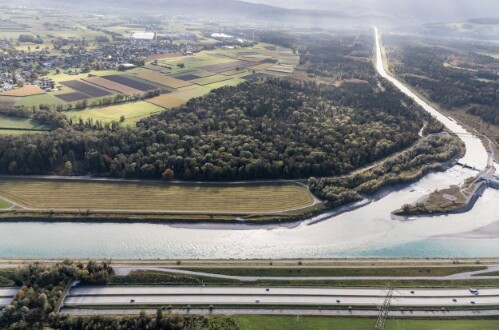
474	291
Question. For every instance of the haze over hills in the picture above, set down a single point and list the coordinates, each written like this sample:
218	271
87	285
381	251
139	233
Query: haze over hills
421	10
319	12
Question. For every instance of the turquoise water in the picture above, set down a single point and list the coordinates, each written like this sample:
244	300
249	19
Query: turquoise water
439	248
150	241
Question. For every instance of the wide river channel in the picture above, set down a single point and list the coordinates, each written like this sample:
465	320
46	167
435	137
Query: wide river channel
365	232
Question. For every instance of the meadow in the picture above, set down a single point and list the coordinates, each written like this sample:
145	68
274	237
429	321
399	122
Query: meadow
155	196
133	112
250	322
15	123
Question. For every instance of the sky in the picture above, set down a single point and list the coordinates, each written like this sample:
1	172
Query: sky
429	9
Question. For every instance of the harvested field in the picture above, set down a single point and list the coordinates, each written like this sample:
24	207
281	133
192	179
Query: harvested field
211	79
187	77
101	82
130	82
24	91
194	72
167	101
261	67
149	196
255	76
161	56
84	88
7	101
73	97
282	68
161	79
233	72
221	67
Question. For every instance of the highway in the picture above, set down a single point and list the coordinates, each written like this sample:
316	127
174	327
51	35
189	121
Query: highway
289	296
288	311
6	295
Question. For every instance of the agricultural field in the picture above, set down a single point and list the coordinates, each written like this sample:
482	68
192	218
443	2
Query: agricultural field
133	112
4	204
105	83
15	123
24	91
7	101
256	322
167	100
90	90
178	77
130	82
36	100
161	79
165	197
211	79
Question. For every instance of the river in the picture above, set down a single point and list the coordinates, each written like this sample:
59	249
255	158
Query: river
366	232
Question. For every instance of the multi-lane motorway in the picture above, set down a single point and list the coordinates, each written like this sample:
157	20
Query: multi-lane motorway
6	295
290	296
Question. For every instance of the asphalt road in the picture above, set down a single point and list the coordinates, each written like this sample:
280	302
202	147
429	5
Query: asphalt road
6	295
287	311
275	296
122	271
272	291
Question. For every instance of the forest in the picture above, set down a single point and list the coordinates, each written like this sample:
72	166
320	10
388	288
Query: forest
456	75
428	154
270	128
262	129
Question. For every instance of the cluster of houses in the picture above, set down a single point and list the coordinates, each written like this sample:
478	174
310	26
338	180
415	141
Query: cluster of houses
28	67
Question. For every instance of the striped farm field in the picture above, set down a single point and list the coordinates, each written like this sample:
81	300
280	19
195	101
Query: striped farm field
24	91
167	100
211	79
161	79
155	196
101	82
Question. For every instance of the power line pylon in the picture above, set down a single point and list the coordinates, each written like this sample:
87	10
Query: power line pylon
384	309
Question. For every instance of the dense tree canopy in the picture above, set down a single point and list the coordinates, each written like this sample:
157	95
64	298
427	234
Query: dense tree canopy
262	129
455	75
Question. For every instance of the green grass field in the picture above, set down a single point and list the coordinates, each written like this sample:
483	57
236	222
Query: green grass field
259	322
133	112
367	271
46	99
210	79
150	196
4	204
15	123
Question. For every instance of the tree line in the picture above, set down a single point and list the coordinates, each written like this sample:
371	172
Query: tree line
428	154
